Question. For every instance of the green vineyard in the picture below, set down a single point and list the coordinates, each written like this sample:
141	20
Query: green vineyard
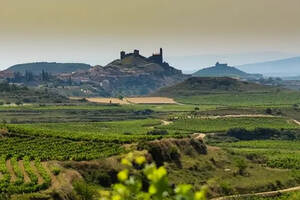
23	176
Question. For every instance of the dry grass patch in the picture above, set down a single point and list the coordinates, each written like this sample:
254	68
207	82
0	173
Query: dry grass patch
151	100
107	100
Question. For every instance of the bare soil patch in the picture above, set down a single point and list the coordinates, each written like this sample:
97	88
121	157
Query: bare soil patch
107	100
11	171
26	177
165	123
133	100
54	182
40	179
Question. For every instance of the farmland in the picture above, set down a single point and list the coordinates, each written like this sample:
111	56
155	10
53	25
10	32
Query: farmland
19	176
224	124
280	99
275	154
77	133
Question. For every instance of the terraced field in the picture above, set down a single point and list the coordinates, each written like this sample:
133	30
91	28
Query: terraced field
23	176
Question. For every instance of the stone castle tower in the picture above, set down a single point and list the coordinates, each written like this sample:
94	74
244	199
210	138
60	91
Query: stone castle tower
156	57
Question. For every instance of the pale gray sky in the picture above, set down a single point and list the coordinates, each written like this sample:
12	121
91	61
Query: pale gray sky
94	31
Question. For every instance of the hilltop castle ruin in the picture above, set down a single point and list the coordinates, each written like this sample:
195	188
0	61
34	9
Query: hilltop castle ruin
155	58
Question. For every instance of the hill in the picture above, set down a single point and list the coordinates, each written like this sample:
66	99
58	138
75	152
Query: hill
15	94
282	68
52	68
132	74
211	85
223	70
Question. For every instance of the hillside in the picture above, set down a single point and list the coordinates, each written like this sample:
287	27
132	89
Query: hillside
223	70
130	75
133	74
282	68
52	68
210	85
14	94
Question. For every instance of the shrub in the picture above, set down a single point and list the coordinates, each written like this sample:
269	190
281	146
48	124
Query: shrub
241	165
157	132
226	189
269	111
84	191
55	170
158	188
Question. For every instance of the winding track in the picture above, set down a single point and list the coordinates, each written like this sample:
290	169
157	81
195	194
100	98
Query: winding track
260	194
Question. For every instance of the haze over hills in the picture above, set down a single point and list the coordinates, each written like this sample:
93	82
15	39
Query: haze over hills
52	68
223	70
191	63
281	68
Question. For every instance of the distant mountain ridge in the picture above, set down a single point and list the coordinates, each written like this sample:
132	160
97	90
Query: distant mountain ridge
50	67
223	70
281	68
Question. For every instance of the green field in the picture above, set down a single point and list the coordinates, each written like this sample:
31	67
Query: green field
224	124
276	154
117	131
244	99
74	134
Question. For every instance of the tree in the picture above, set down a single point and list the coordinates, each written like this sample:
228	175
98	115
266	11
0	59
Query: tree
241	165
28	75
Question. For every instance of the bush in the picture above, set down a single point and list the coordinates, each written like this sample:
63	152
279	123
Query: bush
84	191
269	111
56	170
157	132
241	165
261	134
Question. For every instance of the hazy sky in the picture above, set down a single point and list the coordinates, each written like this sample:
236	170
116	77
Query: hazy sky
94	31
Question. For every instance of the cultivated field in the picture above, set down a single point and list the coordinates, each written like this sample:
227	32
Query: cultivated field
274	153
217	124
133	100
79	135
107	100
151	100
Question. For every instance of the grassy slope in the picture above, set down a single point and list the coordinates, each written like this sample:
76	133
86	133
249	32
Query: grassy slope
219	170
228	92
19	94
279	154
205	85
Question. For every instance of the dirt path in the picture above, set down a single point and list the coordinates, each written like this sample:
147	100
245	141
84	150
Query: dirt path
54	181
26	177
40	178
261	194
11	171
199	135
296	121
165	123
235	116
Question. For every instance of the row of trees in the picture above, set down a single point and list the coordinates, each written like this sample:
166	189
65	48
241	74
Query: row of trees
29	76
